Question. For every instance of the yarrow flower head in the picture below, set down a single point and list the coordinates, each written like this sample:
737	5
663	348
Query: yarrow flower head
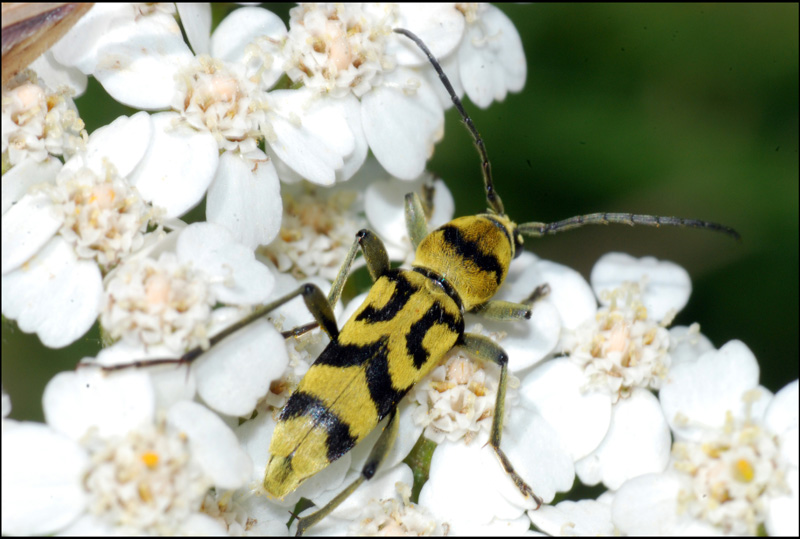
76	222
217	97
733	467
104	218
730	475
457	399
121	464
317	231
38	122
621	348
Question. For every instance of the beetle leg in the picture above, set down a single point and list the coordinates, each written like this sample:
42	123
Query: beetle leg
314	299
509	311
376	457
485	349
416	220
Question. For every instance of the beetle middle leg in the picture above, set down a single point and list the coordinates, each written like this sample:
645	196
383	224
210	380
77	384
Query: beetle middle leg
509	311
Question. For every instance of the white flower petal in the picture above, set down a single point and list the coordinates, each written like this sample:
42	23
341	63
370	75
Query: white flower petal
491	58
254	438
138	68
351	107
245	198
178	166
647	505
704	390
56	75
240	29
439	26
450	68
538	455
459	486
687	344
496	528
27	227
26	174
781	414
236	276
782	519
638	442
237	372
323	486
212	444
80	44
584	517
443	205
75	401
54	295
312	135
781	418
402	129
581	418
42	480
196	22
122	143
668	285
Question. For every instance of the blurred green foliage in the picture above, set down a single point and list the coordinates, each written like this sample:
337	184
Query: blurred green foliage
687	110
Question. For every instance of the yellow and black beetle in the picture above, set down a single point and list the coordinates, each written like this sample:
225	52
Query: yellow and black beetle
405	327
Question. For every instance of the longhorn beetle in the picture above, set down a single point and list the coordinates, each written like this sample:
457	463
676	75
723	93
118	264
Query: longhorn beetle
409	321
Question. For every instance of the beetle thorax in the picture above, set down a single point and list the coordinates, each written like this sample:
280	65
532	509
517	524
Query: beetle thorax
473	253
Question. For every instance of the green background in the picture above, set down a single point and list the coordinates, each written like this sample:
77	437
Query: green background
688	110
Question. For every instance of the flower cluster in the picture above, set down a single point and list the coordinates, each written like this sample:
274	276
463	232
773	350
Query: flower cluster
267	127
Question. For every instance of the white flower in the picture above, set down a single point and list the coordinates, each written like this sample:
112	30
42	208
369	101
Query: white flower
734	463
318	228
598	397
114	464
533	447
144	62
349	51
38	123
490	42
162	307
63	233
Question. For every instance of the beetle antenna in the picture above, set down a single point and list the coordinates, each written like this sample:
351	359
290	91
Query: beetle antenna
543	229
492	198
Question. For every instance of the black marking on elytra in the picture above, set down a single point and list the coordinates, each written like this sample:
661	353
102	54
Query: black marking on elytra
470	250
443	283
385	395
339	440
435	315
402	293
337	354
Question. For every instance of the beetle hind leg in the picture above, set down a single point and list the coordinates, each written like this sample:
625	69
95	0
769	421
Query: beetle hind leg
376	457
484	349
